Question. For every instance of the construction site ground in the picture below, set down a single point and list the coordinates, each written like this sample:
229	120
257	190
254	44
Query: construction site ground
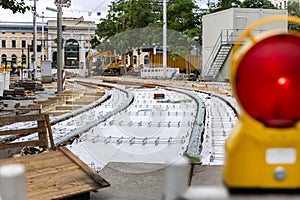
148	186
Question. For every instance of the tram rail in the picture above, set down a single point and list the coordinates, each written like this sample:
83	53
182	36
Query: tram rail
210	136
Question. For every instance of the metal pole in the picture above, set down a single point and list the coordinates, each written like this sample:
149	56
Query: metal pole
89	50
28	55
59	49
34	38
164	38
22	65
43	41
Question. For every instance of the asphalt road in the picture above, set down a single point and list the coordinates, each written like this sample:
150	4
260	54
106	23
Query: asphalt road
150	186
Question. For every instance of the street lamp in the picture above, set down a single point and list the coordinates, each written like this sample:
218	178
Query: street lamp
59	45
164	37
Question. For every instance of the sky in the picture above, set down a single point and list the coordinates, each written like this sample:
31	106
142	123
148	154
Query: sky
78	8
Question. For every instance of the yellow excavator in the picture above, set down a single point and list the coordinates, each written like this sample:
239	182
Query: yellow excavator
103	63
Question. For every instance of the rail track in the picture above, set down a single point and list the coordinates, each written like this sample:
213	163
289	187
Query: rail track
129	124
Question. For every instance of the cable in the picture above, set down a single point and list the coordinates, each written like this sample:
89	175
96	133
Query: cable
99	5
87	11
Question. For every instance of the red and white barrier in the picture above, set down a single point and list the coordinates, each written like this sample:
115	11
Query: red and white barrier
63	79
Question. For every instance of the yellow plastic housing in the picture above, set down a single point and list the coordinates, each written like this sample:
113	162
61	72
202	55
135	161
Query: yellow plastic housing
257	156
246	160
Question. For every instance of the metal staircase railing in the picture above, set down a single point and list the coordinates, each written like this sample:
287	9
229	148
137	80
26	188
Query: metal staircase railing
220	52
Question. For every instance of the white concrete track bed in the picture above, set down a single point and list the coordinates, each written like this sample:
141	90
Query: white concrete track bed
220	118
148	131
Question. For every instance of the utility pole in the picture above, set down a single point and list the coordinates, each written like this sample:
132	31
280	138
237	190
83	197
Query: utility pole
59	49
22	64
34	39
164	38
43	39
60	4
89	50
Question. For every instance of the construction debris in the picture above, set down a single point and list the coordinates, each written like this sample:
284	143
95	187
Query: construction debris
159	96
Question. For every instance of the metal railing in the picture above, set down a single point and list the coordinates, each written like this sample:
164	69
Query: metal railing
226	37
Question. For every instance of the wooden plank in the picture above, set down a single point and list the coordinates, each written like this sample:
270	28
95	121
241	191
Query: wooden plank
67	107
58	193
74	181
53	185
21	118
84	167
50	132
54	175
43	160
57	174
43	134
21	131
23	144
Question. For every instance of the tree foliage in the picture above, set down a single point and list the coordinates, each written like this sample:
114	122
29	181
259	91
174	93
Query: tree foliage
293	10
184	16
14	6
225	4
265	4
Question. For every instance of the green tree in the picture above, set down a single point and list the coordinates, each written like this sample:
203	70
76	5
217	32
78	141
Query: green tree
293	10
132	24
14	6
183	16
265	4
225	4
124	15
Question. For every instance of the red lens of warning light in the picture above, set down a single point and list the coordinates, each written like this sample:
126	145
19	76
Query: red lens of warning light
268	81
282	81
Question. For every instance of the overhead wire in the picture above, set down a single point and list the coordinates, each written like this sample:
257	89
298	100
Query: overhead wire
88	11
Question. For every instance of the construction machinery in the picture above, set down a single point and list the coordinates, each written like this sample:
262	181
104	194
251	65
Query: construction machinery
103	63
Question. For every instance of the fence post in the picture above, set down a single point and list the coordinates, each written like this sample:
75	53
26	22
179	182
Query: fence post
12	182
176	179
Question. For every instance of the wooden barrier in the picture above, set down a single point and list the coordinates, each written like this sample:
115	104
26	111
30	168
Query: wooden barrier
49	175
43	129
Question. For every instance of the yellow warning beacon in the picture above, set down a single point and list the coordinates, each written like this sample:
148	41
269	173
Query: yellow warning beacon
263	150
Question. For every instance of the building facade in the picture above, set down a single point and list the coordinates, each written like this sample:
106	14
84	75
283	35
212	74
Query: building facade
280	4
16	39
229	24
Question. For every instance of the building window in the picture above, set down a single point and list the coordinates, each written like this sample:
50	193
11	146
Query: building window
146	59
23	59
23	43
134	60
3	58
43	57
3	42
13	44
284	4
72	53
14	58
